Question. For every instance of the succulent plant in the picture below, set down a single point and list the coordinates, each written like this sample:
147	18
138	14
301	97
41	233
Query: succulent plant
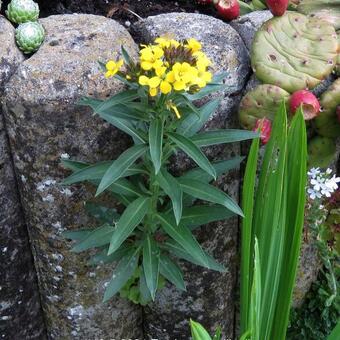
20	11
307	100
277	7
29	36
321	151
294	51
326	123
322	9
262	102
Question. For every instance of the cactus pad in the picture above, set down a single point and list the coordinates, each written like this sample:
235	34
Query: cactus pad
261	102
321	152
20	11
294	51
326	123
29	36
328	10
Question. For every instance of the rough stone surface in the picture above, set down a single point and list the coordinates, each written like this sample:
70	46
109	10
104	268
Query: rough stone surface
210	295
43	124
248	24
20	310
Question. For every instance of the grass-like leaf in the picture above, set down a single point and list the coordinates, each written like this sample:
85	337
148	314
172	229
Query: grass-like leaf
156	143
171	272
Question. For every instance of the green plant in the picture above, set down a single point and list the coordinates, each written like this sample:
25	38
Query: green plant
321	151
284	55
160	210
29	36
272	229
20	11
261	102
198	332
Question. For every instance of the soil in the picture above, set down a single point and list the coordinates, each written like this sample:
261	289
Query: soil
124	11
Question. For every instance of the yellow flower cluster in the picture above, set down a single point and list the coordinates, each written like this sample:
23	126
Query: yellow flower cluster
112	67
172	65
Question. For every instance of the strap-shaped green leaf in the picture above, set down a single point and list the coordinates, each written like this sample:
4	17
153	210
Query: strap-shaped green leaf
125	269
98	238
102	257
77	235
192	123
184	237
193	152
171	271
145	296
101	213
198	332
176	249
172	188
120	165
209	193
220	167
222	136
151	264
156	142
129	220
204	214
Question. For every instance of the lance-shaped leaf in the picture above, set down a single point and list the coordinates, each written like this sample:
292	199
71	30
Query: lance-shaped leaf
77	235
120	165
184	237
145	296
222	136
125	269
176	249
198	332
102	257
193	152
171	272
192	123
98	238
101	213
204	214
151	264
156	143
209	193
129	220
172	188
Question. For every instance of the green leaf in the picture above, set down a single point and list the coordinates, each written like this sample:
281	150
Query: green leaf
73	165
220	167
335	335
176	249
156	142
184	237
120	165
171	272
125	269
222	136
203	214
192	123
128	60
219	77
145	296
77	235
129	220
218	334
198	332
151	264
103	258
210	88
98	238
193	152
209	193
101	213
172	188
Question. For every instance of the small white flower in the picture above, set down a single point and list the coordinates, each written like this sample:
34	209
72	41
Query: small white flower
313	172
321	183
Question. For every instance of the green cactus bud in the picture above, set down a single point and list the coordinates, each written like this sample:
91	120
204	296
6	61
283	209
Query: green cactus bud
20	11
294	51
328	10
261	102
29	36
326	123
321	152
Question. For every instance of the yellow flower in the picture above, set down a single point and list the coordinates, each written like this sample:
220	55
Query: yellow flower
203	78
153	84
164	42
194	45
202	61
182	75
150	57
113	67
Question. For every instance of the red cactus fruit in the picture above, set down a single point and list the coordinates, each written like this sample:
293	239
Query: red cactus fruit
228	9
277	7
264	126
306	99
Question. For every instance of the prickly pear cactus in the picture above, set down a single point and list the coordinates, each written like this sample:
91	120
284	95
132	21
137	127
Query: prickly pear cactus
326	123
29	36
20	11
294	51
321	151
328	10
337	69
261	102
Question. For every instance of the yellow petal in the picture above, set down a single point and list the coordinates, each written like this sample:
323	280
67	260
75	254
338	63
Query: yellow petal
157	64
146	65
179	85
170	77
143	80
160	71
153	92
108	74
194	45
154	82
165	87
120	63
158	52
110	65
